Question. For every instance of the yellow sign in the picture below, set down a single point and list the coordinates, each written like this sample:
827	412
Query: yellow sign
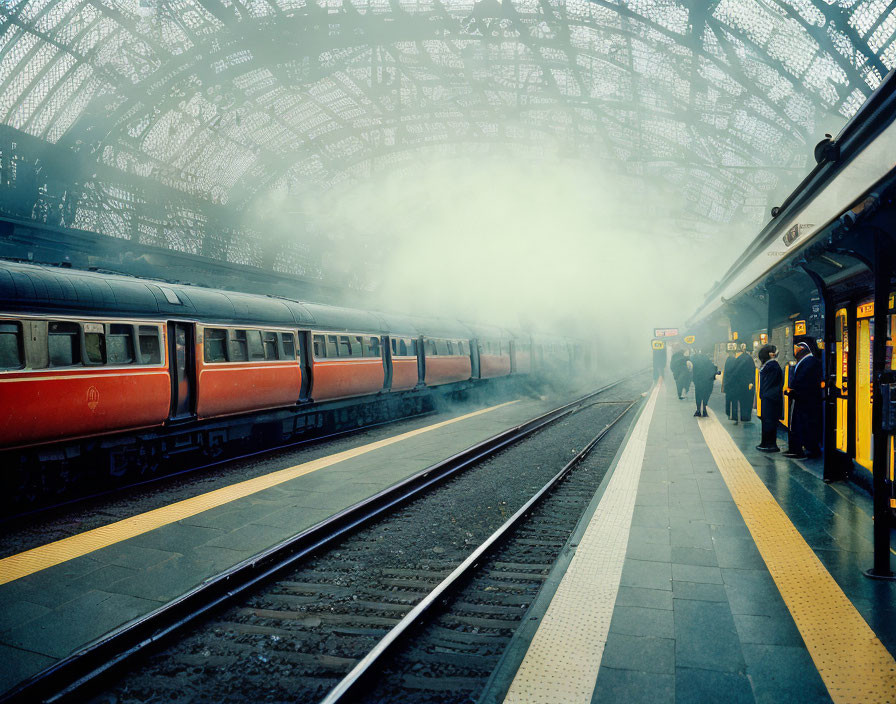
866	310
763	338
892	301
734	336
799	327
659	345
690	339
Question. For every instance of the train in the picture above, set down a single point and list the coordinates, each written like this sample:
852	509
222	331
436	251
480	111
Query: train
112	375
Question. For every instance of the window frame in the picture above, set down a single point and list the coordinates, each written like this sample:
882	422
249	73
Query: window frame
20	343
160	339
131	337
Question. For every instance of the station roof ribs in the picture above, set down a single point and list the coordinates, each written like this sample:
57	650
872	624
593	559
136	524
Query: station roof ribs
157	120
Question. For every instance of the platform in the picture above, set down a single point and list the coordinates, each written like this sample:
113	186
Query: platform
707	571
61	596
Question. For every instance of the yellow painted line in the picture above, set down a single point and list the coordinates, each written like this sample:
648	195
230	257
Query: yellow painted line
40	558
563	659
853	663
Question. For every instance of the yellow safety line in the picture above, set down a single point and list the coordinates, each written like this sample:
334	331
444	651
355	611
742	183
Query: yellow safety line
40	558
854	664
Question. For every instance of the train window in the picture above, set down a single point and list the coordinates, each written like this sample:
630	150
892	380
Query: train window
256	348
442	346
394	345
357	345
373	347
462	347
94	343
11	356
412	347
320	346
239	347
271	349
150	346
345	346
63	344
215	345
289	345
332	346
402	348
120	344
430	347
450	346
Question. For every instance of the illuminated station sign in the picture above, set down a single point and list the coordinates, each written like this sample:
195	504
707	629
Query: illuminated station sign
665	332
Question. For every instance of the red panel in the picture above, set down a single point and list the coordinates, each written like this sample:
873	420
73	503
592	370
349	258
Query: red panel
225	389
49	405
348	377
446	369
523	363
491	365
404	374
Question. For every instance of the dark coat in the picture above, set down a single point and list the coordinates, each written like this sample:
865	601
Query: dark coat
805	382
771	389
728	381
742	374
679	366
704	370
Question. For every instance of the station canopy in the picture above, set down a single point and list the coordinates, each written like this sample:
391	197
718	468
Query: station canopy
162	120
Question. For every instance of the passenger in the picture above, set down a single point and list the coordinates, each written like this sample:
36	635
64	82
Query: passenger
743	381
804	389
704	373
679	367
659	362
771	388
727	387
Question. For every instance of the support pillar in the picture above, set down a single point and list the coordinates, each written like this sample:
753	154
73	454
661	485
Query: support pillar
881	498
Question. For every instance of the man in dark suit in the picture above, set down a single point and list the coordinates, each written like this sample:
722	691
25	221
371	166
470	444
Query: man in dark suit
704	374
771	387
804	389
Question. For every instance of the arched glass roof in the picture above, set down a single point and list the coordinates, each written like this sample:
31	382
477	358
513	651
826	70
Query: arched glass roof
162	120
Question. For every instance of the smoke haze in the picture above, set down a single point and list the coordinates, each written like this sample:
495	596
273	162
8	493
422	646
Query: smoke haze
555	246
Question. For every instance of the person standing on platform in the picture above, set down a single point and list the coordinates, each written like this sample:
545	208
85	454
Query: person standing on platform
771	396
704	374
659	360
744	380
679	367
727	380
806	404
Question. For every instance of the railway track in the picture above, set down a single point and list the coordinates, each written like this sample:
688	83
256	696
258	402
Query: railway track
308	612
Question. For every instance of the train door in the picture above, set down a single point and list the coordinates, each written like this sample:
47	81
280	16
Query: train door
474	358
386	347
182	362
306	355
841	432
863	386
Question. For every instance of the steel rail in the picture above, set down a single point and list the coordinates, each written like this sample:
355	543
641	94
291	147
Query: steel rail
347	689
61	680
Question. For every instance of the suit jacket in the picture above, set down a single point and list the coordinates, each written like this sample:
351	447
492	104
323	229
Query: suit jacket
703	370
805	381
771	387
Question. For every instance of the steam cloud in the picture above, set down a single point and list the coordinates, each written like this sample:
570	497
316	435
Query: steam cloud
558	246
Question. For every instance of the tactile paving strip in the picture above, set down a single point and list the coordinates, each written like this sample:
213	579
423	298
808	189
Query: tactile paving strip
853	663
561	664
40	558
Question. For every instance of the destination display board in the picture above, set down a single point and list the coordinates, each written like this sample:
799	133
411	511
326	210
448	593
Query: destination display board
665	332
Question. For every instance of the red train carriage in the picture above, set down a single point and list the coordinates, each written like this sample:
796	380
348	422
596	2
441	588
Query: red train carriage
494	358
405	367
241	369
70	378
446	360
345	365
